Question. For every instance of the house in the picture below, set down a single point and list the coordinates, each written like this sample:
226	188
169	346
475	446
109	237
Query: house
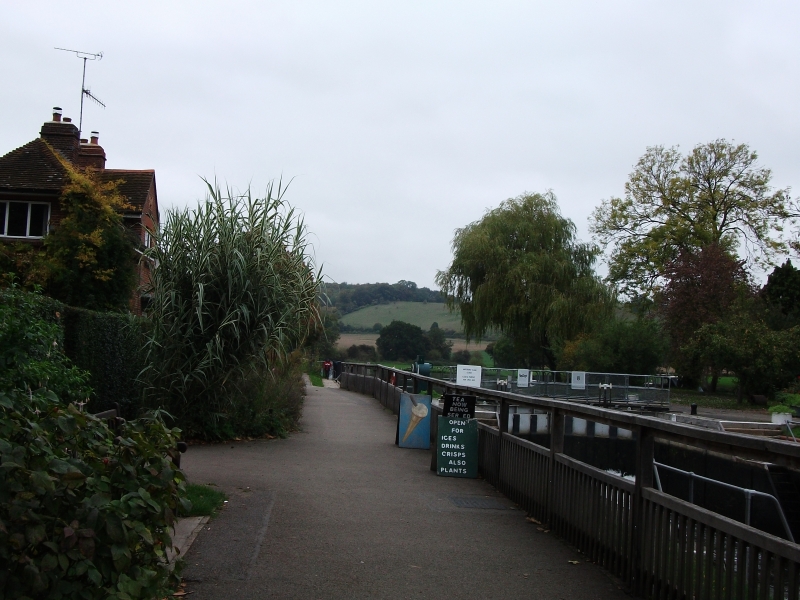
32	177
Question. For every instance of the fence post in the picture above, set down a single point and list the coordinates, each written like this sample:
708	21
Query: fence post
556	447
645	447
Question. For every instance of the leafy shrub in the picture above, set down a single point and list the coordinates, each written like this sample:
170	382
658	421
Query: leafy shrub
271	402
362	353
461	357
32	347
781	408
83	513
788	398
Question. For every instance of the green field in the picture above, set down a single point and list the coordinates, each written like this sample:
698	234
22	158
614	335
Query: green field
422	314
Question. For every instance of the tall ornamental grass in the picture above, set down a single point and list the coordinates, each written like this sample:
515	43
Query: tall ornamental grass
234	292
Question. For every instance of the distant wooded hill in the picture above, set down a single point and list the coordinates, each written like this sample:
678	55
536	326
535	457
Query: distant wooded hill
349	297
421	314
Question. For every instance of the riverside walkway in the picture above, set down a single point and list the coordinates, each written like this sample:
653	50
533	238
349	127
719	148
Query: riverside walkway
338	511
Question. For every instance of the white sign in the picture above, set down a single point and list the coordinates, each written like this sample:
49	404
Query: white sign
579	380
468	375
522	377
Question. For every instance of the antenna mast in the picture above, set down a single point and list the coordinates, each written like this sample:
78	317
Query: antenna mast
84	91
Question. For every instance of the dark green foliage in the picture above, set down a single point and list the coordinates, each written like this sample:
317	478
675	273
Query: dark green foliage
23	264
104	350
110	347
503	352
32	347
440	347
271	402
349	297
461	357
83	515
400	340
783	287
763	359
362	353
617	346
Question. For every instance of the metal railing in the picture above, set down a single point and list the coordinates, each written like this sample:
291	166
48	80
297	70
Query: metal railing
659	545
748	494
646	392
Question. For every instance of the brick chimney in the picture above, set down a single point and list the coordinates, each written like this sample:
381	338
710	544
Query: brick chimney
92	154
61	135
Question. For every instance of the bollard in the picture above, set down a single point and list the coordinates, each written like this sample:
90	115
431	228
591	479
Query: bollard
693	409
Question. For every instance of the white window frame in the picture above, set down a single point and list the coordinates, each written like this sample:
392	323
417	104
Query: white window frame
28	223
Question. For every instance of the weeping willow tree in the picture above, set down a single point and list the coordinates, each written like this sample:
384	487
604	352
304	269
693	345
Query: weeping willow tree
234	292
520	270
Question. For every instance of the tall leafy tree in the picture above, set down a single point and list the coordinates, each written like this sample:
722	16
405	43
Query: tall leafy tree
783	288
716	195
617	345
521	270
700	288
401	340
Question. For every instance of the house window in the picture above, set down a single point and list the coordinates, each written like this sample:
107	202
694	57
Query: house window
24	219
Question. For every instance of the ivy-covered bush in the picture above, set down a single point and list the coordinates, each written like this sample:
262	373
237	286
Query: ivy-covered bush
84	512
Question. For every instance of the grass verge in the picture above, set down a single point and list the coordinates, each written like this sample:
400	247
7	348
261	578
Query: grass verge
316	379
206	500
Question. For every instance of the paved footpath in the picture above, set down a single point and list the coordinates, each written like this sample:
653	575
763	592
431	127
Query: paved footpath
338	511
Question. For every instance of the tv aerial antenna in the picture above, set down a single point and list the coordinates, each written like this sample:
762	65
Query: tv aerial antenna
85	92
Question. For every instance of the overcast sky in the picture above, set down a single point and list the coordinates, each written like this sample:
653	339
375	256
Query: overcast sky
403	121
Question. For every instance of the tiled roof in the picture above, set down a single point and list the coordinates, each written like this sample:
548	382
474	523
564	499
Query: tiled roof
35	167
135	184
32	167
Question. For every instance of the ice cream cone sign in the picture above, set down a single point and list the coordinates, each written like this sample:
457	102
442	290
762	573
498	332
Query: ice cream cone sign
414	421
419	412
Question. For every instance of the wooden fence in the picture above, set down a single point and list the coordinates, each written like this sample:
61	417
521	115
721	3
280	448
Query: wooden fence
659	545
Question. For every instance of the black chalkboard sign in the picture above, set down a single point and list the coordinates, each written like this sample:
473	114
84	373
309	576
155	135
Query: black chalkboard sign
459	406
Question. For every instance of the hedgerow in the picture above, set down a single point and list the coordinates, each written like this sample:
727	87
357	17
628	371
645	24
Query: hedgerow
85	512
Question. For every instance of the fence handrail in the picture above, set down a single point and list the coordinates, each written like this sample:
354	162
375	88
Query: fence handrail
744	532
778	451
747	492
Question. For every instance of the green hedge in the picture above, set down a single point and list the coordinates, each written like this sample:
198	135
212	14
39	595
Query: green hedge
109	346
